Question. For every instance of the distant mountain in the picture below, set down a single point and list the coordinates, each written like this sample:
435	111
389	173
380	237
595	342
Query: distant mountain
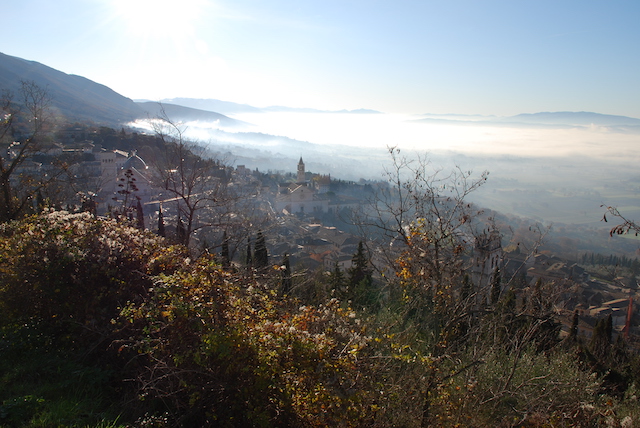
74	97
573	118
185	114
280	109
224	107
555	120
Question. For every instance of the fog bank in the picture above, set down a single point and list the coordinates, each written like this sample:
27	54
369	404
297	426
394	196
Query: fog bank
550	172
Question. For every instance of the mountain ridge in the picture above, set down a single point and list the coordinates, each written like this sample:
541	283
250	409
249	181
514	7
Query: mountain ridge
75	97
80	99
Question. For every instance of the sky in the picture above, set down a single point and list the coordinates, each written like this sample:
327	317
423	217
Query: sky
407	56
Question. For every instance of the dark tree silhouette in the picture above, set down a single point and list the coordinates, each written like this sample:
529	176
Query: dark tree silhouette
496	286
161	229
249	259
260	255
226	262
286	275
337	281
139	216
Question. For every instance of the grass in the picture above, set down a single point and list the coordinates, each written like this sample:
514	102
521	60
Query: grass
43	387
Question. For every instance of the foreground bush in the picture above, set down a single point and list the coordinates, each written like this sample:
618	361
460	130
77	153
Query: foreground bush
71	272
223	351
102	322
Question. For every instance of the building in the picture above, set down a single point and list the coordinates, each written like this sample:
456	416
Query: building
300	199
118	171
302	178
487	260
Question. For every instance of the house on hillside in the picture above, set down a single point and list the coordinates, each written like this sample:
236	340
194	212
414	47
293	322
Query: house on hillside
121	171
487	260
300	199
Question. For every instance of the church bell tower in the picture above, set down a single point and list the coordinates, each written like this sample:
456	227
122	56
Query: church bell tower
301	173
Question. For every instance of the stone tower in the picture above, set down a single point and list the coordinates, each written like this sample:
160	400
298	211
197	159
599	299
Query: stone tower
301	172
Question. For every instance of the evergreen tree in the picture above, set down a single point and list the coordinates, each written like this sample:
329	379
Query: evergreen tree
286	275
608	329
181	232
573	332
260	255
600	340
359	270
496	287
337	281
249	259
226	262
535	303
161	230
139	216
360	280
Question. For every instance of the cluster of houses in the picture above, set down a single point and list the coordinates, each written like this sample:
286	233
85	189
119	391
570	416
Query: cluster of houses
314	246
578	292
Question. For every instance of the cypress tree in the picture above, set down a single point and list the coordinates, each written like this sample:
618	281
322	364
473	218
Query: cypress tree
359	267
509	301
139	216
226	262
336	281
249	259
608	329
597	338
360	280
161	230
573	332
496	287
536	304
181	232
286	275
260	255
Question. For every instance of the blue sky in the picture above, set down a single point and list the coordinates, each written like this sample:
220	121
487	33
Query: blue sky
468	57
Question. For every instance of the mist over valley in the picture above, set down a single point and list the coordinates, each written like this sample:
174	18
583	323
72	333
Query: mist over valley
550	167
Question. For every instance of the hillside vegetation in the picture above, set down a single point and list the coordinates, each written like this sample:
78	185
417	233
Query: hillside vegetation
107	325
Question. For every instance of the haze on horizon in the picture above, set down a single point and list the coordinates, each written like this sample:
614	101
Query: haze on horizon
403	58
461	56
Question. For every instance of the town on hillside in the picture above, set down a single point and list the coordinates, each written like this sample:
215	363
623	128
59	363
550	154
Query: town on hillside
304	216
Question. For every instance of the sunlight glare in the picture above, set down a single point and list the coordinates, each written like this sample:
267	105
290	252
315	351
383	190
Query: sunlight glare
158	17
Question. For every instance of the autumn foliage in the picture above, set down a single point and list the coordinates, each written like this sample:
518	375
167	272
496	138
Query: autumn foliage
191	342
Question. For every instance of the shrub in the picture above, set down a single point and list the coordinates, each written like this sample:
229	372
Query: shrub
70	273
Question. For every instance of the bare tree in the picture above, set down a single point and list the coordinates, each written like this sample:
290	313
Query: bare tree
198	185
423	213
23	126
422	231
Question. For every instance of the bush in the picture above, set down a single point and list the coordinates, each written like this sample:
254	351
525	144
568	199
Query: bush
226	351
70	273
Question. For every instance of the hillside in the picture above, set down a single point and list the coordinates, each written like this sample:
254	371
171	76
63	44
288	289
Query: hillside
74	97
227	107
183	114
78	99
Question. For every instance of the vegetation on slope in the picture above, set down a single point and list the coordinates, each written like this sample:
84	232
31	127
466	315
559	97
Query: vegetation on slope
106	325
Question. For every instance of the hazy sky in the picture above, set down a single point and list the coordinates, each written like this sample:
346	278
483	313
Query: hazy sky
454	56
